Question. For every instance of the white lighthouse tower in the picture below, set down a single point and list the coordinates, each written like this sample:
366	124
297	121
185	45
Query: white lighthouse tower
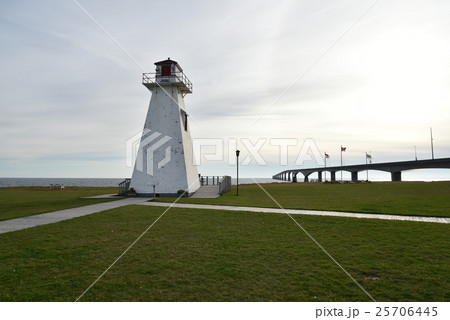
165	160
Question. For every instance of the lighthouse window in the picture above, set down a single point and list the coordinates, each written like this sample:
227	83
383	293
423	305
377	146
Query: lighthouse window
184	119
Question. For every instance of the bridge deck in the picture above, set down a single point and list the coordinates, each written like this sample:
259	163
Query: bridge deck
395	168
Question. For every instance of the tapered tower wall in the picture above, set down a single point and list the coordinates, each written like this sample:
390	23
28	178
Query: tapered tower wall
165	155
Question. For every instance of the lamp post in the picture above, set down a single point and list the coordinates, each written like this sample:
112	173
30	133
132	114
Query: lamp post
154	185
237	172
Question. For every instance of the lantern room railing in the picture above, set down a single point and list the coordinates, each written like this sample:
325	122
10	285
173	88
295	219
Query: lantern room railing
176	77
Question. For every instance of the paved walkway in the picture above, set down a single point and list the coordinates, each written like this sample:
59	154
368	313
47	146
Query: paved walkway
206	192
105	196
304	212
56	216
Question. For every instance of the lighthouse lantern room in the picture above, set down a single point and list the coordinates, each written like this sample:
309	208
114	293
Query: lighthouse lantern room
167	71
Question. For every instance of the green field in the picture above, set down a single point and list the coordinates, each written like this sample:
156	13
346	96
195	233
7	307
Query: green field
208	255
19	202
213	255
405	198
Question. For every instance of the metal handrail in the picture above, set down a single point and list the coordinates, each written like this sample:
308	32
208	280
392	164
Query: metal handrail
225	185
205	180
180	76
124	186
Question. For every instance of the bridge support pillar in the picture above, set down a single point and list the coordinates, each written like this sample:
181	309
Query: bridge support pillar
333	176
306	179
354	175
294	177
396	176
319	176
289	176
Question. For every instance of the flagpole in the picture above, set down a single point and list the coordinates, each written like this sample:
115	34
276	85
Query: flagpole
325	167
367	169
341	163
432	151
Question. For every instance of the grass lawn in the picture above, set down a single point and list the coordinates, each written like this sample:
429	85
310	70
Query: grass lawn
208	255
19	202
404	198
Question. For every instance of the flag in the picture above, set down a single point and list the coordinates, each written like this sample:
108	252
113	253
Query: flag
368	156
327	156
343	148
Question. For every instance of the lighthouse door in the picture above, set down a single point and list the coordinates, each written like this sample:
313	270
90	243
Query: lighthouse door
165	70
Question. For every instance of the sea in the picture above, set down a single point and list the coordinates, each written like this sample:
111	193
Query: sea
95	182
415	175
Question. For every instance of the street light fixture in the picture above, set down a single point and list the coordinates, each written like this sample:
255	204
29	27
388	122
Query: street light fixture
237	172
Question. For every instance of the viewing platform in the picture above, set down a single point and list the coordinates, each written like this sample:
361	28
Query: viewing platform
179	79
168	72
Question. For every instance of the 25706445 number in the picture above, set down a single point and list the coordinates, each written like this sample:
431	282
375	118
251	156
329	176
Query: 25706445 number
403	311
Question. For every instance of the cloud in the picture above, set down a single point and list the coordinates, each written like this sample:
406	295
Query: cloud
66	87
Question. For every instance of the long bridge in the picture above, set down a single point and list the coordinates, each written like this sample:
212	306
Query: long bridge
395	168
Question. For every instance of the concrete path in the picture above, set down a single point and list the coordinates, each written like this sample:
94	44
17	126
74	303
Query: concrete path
105	196
305	212
56	216
206	192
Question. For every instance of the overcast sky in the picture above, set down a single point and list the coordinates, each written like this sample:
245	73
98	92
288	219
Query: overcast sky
370	78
